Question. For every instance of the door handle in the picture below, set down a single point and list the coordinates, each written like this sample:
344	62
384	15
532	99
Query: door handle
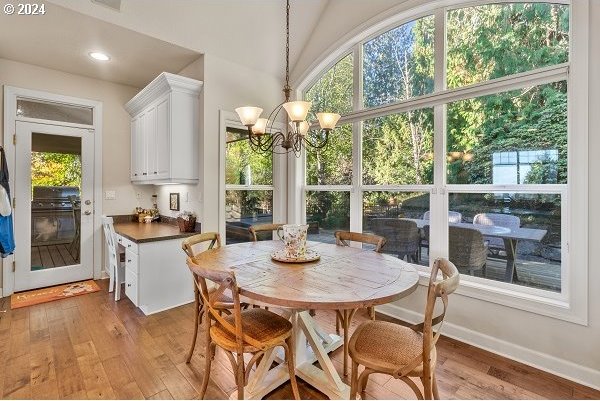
87	212
88	202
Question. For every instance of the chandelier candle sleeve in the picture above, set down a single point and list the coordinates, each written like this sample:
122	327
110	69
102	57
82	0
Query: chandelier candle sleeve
301	128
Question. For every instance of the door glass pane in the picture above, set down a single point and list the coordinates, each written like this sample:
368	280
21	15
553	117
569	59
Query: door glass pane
327	212
501	232
394	215
243	209
55	111
55	201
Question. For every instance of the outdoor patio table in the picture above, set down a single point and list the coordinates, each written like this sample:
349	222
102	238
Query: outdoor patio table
510	236
344	278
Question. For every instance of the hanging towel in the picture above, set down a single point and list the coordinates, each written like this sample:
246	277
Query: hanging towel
7	239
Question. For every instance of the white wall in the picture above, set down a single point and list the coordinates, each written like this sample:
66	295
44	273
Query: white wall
568	349
116	134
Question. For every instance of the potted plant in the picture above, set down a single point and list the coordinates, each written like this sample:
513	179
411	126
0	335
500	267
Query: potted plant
186	221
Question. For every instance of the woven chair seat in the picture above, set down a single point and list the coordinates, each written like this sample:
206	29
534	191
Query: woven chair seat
260	324
387	346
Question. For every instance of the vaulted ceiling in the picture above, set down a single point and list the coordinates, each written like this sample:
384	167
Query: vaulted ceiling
140	37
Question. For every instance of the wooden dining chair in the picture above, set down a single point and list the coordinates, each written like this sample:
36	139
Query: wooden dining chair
223	302
404	352
253	331
344	317
258	228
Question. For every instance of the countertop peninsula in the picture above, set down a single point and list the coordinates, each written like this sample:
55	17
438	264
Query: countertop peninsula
149	232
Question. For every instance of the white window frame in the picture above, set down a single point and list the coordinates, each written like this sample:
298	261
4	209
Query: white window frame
572	303
230	119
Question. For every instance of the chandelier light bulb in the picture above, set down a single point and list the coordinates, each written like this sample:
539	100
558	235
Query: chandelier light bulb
298	110
328	120
249	115
302	127
260	127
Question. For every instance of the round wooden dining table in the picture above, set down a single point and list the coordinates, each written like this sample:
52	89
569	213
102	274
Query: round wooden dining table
344	278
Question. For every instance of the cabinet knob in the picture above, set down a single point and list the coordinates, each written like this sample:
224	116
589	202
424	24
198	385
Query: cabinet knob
128	245
128	285
156	172
135	174
144	173
128	260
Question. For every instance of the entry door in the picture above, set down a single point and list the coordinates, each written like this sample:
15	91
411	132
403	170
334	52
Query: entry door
54	213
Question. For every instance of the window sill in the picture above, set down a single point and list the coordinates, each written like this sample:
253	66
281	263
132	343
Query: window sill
540	302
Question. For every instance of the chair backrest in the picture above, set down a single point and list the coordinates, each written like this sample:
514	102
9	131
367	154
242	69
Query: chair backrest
111	244
467	247
257	228
437	289
190	243
453	217
342	238
224	281
497	219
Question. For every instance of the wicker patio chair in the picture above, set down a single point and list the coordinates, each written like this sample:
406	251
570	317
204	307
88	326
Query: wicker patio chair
261	228
223	302
495	244
468	250
404	352
344	317
453	217
250	331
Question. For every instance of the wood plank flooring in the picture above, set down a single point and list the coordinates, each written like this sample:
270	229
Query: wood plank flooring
49	256
90	347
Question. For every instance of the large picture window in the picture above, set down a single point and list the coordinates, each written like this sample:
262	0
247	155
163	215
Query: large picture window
482	138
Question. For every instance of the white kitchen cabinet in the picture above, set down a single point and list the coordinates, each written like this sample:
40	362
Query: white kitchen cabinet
156	275
164	131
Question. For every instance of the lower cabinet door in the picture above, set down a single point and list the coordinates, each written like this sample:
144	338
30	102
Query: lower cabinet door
131	286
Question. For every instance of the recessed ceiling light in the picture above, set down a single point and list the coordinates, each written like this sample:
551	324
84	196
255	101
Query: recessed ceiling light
99	56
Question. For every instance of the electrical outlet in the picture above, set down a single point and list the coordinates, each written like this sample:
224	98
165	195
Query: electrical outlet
110	195
138	195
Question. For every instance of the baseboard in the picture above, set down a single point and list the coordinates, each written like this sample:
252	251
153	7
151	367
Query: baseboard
548	363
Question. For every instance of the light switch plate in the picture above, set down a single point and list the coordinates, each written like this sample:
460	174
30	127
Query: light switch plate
110	195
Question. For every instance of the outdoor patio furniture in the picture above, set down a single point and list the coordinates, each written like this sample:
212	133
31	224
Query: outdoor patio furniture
495	244
453	217
402	237
468	250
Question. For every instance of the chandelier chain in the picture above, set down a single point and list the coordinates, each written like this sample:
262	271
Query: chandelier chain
287	88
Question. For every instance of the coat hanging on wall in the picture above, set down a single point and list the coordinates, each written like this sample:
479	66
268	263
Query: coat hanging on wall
7	239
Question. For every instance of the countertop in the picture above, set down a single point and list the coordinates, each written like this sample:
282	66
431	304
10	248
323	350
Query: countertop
149	232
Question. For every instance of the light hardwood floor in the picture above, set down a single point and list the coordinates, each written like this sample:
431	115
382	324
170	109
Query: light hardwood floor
91	347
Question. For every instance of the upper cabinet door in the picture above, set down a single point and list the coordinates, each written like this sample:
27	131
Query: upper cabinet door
134	154
150	138
163	140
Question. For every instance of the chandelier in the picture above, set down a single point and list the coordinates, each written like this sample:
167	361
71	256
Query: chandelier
264	138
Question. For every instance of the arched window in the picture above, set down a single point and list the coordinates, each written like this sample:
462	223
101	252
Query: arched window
466	135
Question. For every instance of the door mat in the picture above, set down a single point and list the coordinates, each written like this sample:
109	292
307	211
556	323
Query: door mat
49	294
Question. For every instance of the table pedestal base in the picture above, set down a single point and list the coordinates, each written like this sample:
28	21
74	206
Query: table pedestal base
311	344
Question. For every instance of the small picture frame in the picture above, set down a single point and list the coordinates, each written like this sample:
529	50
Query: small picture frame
174	201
